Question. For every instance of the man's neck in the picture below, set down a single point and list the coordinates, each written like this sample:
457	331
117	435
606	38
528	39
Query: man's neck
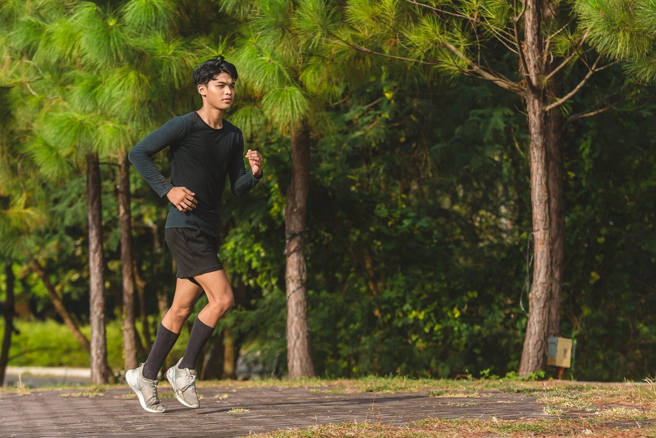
212	116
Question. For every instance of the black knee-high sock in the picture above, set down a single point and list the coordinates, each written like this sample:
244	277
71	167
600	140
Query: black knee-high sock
200	333
164	342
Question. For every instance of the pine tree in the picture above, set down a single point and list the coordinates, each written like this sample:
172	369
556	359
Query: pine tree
285	73
458	38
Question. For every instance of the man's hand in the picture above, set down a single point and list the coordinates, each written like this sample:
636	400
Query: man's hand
182	198
255	159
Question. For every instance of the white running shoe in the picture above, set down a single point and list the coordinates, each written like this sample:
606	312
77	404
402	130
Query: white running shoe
145	389
183	382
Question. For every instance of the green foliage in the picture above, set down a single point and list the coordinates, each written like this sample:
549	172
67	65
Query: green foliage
148	16
616	27
286	106
623	30
418	210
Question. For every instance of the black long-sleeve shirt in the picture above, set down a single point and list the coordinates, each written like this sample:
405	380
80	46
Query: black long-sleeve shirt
201	158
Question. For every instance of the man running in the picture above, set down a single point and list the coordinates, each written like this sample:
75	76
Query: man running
204	149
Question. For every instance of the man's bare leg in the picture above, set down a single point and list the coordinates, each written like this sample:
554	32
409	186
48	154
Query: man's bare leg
186	294
143	379
219	300
219	296
182	376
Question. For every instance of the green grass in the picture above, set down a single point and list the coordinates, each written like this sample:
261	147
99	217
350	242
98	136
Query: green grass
51	344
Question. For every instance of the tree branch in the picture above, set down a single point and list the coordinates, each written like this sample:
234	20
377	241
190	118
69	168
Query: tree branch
372	52
569	58
453	14
503	83
576	89
559	30
560	67
607	65
589	114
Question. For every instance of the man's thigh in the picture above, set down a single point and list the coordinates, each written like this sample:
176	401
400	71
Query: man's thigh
215	284
186	293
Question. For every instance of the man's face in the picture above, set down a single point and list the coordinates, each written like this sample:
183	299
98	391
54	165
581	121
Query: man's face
219	92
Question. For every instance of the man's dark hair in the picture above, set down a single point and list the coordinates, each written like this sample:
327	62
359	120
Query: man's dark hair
213	67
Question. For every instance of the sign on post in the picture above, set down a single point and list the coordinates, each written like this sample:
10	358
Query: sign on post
560	352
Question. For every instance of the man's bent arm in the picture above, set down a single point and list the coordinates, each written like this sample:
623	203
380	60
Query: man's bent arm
241	181
140	156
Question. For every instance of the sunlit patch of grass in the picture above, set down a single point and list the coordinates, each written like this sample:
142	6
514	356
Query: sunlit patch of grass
328	391
559	399
440	428
626	414
453	394
630	395
81	394
462	404
550	410
62	387
521	389
303	382
89	392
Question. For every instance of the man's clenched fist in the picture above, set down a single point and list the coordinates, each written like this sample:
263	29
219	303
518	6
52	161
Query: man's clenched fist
255	159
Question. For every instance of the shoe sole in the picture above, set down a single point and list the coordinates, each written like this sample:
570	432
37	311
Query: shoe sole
169	377
131	379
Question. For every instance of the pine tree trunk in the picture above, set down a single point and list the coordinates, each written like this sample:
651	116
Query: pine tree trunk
9	321
99	368
554	128
299	356
143	314
162	303
229	356
125	219
59	305
534	355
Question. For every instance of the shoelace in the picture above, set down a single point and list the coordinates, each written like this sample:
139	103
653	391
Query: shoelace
153	384
190	376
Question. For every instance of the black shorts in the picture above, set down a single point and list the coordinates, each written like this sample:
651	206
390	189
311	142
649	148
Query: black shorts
194	251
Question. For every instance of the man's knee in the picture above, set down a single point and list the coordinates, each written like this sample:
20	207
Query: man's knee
181	312
223	302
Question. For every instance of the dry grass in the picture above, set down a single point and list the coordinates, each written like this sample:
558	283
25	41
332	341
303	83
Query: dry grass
90	392
20	389
453	394
471	428
82	394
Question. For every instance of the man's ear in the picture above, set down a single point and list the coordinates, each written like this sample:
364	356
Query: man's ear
202	90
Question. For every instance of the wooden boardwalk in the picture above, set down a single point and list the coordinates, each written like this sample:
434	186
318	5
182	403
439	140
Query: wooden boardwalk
56	413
